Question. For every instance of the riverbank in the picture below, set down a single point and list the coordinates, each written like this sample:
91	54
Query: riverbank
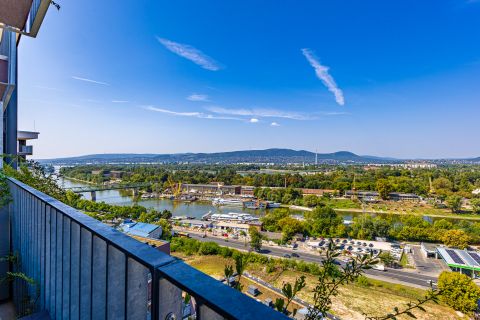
466	216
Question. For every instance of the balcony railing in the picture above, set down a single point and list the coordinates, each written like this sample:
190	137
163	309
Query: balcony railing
87	270
25	150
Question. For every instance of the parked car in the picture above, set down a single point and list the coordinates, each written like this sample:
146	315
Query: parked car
295	255
286	255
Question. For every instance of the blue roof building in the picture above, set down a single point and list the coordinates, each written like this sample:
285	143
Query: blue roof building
145	230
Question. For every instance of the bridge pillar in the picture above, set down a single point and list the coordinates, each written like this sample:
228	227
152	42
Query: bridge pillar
93	194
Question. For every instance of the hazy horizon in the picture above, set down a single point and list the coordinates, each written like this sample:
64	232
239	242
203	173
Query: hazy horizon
225	151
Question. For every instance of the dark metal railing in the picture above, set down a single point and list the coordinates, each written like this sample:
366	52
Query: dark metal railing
87	270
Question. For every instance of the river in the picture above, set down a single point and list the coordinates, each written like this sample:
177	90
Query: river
178	208
198	208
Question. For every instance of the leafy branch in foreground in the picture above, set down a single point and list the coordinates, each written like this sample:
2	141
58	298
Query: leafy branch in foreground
240	266
332	277
5	196
289	292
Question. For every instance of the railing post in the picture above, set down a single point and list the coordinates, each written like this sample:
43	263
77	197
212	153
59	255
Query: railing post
205	313
170	301
155	294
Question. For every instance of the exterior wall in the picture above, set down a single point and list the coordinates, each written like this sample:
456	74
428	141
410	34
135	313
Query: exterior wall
317	192
156	234
247	191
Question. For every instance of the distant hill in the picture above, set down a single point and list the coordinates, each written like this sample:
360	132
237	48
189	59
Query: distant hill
246	156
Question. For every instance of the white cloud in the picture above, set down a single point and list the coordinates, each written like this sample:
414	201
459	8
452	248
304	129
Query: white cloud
262	113
90	80
275	124
322	74
199	115
120	101
198	97
174	113
254	120
190	53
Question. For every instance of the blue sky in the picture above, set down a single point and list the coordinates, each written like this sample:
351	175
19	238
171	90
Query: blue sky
385	78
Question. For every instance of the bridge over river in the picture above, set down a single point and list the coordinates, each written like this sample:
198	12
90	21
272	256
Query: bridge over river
92	189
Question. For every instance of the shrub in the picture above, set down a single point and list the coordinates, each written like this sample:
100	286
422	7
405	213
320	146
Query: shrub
209	248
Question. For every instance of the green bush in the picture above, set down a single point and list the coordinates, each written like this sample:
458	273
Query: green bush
363	282
209	248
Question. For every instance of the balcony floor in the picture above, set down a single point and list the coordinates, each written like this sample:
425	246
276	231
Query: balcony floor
7	311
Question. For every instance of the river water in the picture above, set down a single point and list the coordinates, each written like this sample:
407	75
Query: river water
178	208
194	209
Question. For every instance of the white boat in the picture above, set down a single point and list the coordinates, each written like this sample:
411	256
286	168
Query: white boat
207	215
232	216
226	202
273	205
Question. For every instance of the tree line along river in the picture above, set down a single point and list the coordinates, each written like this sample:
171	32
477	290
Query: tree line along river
194	209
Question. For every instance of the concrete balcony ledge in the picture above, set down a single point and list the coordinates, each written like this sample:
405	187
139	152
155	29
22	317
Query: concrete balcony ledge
23	16
14	13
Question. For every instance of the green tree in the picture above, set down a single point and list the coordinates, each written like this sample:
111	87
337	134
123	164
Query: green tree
166	228
290	226
323	221
475	202
384	188
459	291
310	201
456	238
255	239
454	203
386	258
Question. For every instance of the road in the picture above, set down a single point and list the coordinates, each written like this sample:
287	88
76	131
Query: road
392	274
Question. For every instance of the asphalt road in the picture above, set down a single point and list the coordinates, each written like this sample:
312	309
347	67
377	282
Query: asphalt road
393	274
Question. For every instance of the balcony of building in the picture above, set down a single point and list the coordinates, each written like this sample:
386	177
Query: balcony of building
23	16
22	138
84	269
8	52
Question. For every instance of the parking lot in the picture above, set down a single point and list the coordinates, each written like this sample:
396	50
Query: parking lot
426	265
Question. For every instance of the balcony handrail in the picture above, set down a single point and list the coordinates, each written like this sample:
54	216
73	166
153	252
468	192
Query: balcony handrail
224	301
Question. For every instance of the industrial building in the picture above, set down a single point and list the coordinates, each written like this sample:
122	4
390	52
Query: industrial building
463	261
210	189
374	195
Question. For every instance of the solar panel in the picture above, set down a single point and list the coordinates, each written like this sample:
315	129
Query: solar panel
475	256
455	257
